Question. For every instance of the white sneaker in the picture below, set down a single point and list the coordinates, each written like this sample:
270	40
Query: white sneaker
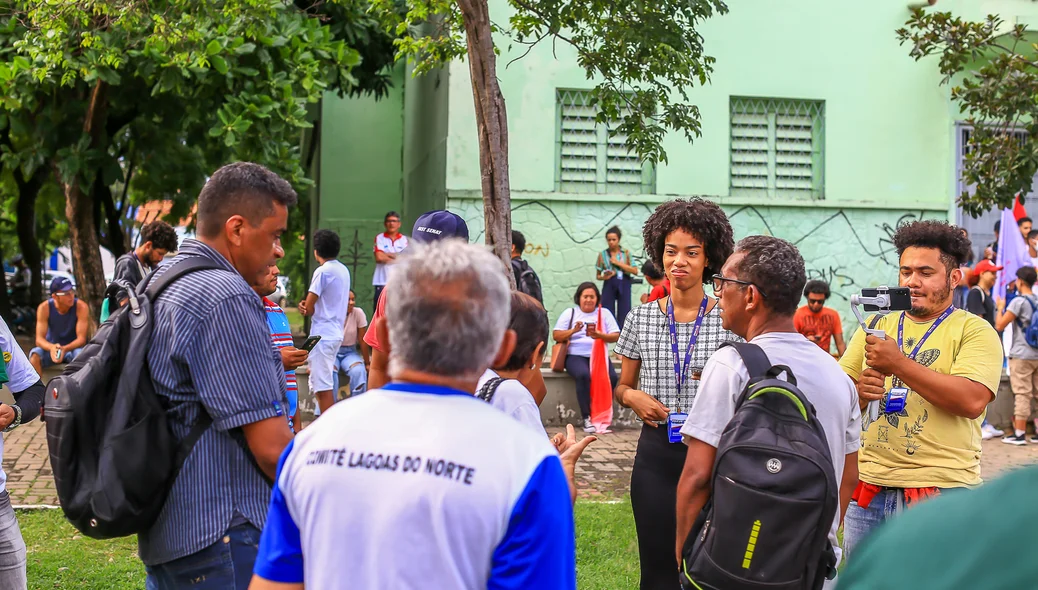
988	431
588	427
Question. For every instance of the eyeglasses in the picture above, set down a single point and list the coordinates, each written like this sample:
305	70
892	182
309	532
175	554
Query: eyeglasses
719	281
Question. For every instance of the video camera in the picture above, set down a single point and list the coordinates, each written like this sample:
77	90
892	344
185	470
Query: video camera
880	301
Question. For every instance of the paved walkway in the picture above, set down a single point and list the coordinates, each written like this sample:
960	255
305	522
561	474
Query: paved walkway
604	471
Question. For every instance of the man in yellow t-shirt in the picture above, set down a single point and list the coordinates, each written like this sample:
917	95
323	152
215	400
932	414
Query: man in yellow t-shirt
932	376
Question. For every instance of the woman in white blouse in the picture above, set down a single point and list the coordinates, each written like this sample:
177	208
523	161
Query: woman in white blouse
578	325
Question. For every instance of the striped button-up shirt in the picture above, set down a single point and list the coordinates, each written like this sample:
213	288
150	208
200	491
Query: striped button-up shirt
210	351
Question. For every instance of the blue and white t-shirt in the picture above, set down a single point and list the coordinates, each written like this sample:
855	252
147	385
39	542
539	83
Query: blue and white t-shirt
20	375
446	492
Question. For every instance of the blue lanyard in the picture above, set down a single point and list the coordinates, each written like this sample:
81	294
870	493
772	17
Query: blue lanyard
919	345
679	370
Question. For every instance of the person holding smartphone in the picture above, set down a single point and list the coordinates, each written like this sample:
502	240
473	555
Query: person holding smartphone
281	337
578	326
326	300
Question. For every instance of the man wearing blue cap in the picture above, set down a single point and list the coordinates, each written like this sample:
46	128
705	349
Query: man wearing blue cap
61	326
430	227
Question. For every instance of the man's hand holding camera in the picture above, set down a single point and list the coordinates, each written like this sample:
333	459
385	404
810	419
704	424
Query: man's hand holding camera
884	358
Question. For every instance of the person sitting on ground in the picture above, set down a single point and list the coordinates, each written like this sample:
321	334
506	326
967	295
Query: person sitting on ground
354	355
1023	358
764	316
578	326
818	323
944	365
430	227
657	280
62	322
454	493
281	337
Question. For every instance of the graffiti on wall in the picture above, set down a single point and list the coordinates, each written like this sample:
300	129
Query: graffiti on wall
848	248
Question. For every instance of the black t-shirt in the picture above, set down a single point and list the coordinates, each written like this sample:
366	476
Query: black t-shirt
980	303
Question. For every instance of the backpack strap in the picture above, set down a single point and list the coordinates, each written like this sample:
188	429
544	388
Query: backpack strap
753	356
179	268
153	289
486	393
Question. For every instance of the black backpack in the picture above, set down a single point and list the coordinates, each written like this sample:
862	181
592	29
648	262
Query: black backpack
113	455
774	492
527	280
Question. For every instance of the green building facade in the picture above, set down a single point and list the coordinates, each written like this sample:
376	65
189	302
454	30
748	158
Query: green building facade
817	127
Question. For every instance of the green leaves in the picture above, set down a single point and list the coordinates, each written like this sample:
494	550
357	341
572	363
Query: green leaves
645	56
997	76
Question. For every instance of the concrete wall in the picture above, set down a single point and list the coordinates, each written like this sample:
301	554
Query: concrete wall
848	247
425	144
360	179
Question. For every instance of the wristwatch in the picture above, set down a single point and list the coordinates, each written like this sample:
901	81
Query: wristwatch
17	419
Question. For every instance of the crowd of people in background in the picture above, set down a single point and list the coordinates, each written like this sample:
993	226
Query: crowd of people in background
444	475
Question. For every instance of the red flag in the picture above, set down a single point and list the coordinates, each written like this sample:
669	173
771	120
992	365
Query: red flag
601	387
1018	208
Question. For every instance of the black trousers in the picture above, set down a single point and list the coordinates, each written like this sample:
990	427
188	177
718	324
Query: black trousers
654	482
579	367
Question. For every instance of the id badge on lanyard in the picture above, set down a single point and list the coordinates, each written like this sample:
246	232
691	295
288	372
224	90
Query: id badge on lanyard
894	401
675	420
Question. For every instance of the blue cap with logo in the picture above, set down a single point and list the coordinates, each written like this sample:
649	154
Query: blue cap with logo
439	225
60	284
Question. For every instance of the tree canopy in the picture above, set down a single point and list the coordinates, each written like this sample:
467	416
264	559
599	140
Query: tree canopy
122	101
993	71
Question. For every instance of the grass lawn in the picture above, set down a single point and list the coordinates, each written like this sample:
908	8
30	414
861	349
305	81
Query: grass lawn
59	557
295	320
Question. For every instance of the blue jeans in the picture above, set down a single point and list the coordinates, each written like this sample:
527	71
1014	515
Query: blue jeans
225	564
859	522
616	297
352	362
47	361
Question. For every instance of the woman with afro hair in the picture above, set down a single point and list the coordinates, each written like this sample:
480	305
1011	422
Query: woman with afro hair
690	241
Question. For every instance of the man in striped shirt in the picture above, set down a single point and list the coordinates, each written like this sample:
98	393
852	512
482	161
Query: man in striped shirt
210	357
281	338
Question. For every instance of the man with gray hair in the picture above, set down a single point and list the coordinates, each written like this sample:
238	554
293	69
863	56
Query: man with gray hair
758	291
448	492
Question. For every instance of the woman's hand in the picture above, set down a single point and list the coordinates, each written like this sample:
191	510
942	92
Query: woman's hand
577	326
648	408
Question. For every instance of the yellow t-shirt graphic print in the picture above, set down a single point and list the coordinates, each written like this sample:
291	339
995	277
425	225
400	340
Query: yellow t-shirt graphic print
923	445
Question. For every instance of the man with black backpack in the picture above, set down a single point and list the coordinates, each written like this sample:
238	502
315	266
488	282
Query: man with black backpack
781	419
211	359
526	280
1023	356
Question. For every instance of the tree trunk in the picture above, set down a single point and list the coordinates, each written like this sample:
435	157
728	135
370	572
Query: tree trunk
86	250
492	127
113	234
26	227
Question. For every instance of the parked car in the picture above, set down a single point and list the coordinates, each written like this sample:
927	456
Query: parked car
281	296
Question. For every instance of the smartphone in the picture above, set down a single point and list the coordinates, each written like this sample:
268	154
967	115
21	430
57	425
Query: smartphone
900	298
310	343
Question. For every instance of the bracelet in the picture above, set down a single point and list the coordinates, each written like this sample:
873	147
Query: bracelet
17	419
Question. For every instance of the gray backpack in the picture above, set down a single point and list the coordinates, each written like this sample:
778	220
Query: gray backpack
774	492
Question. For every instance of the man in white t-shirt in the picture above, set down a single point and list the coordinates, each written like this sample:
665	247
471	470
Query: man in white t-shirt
758	292
18	374
443	490
327	301
387	245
